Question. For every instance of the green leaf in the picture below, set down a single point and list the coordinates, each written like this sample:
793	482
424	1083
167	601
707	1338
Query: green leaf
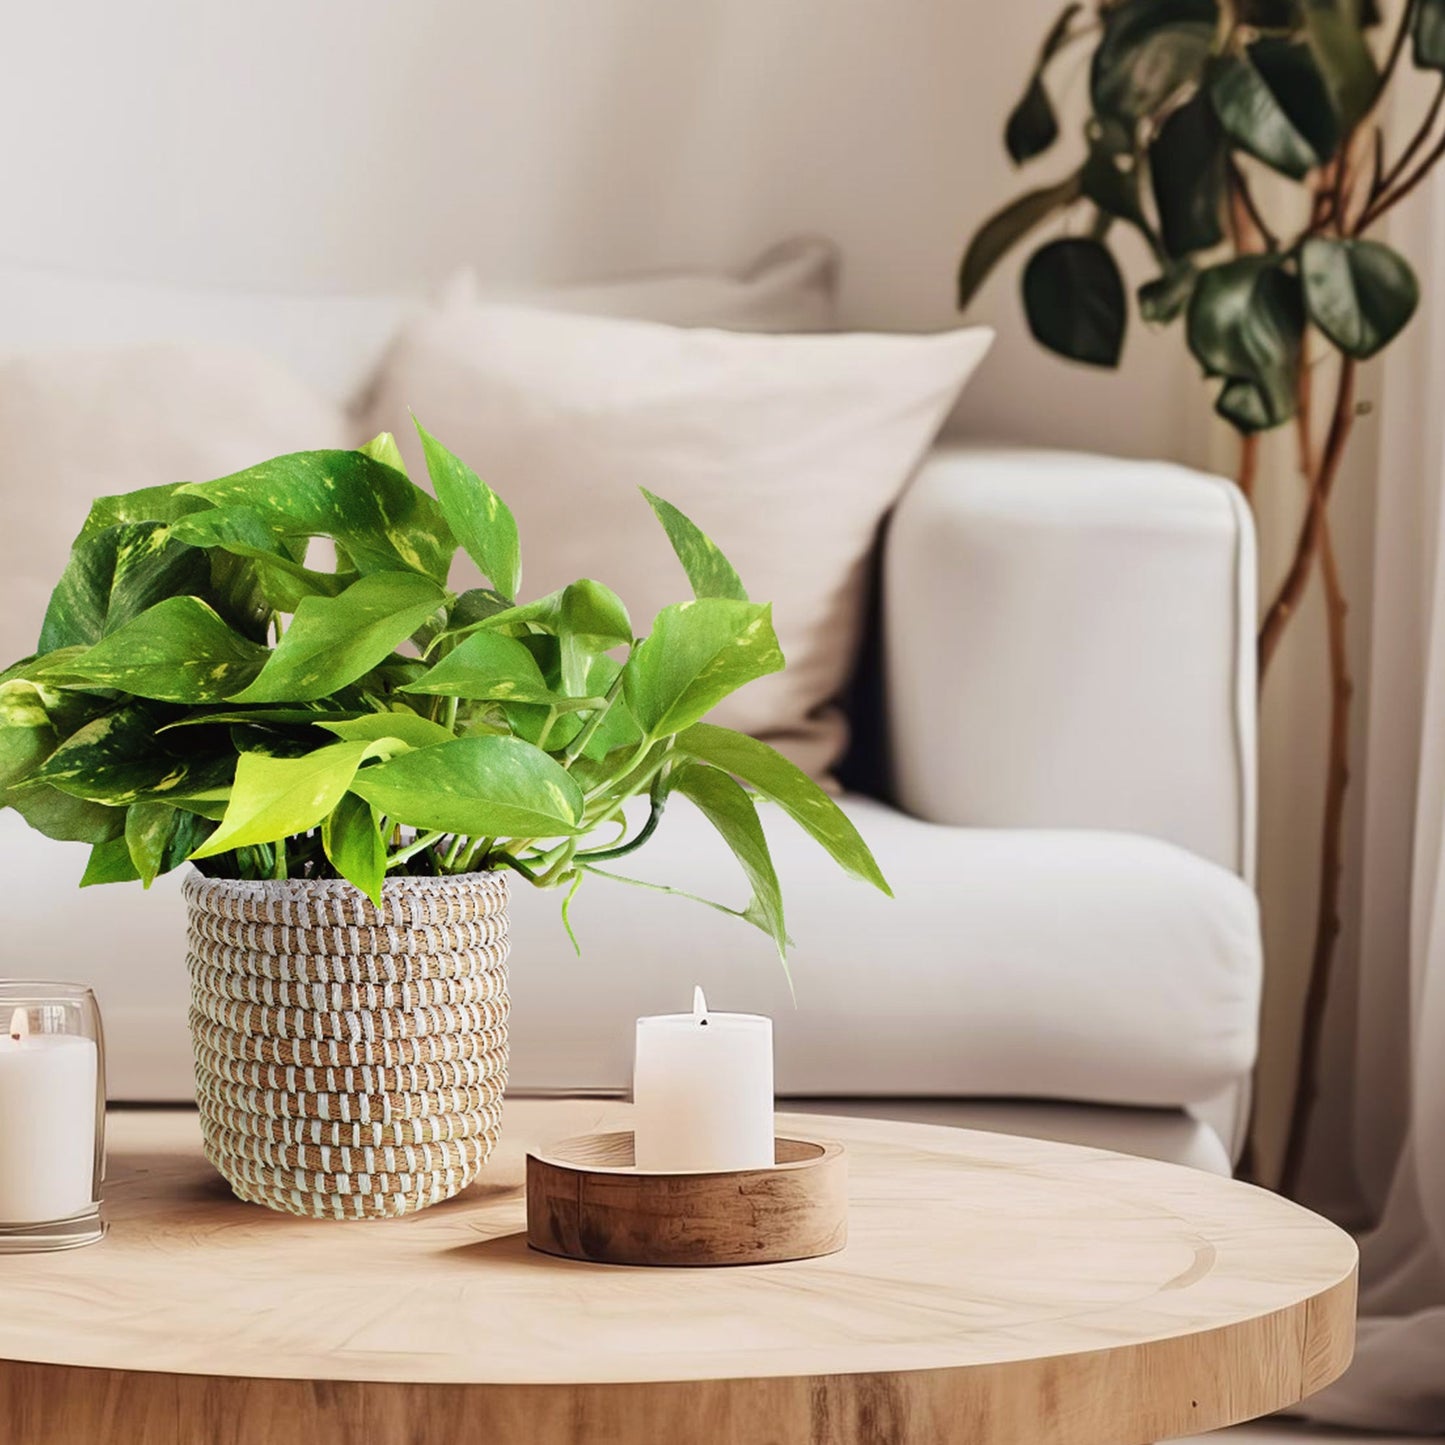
177	651
148	504
1006	228
1249	94
788	786
274	798
1032	127
352	840
488	666
478	517
709	572
120	758
414	730
1359	293
244	532
734	814
1074	300
383	448
1427	34
109	862
1162	299
1337	40
1151	50
698	652
113	576
27	735
382	519
68	820
160	837
1245	323
1187	169
482	787
332	641
585	617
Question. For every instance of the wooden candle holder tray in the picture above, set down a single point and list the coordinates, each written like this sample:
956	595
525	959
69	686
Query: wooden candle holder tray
587	1200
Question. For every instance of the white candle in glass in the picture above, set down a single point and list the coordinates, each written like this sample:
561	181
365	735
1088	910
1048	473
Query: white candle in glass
703	1091
47	1124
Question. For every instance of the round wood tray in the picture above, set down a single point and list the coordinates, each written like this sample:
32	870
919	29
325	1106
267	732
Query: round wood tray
586	1199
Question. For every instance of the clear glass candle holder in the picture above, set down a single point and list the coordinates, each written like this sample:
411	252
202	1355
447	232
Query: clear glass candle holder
52	1116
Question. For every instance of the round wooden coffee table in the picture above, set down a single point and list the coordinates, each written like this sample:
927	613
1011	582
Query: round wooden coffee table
993	1290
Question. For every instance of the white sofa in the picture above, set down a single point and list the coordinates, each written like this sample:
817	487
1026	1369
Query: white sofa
1074	949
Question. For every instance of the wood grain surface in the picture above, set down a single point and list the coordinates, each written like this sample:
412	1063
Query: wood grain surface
587	1200
993	1289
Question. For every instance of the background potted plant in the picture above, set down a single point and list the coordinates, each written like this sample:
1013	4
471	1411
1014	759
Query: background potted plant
1205	117
355	759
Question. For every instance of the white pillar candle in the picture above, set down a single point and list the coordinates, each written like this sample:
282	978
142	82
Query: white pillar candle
47	1124
703	1091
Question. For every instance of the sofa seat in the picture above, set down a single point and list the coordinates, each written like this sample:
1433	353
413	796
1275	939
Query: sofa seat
1085	966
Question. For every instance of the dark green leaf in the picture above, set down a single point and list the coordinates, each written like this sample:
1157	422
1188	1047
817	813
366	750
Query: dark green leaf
1151	50
1359	293
478	517
1256	118
120	758
353	842
1074	299
1343	56
382	520
698	652
1004	230
788	786
115	574
709	572
1294	78
1428	34
177	651
1031	127
148	504
1187	168
273	798
332	641
1163	298
1111	177
734	814
482	787
1246	321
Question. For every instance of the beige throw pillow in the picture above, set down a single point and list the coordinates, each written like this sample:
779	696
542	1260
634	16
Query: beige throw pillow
75	425
787	450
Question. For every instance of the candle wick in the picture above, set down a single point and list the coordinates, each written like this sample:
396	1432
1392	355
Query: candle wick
699	1006
19	1025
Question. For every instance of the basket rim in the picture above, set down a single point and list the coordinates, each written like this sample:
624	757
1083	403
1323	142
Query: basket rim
492	880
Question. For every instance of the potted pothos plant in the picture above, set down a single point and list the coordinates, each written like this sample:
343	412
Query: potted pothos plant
354	759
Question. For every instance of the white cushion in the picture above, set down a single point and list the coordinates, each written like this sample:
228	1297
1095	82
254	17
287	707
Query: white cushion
786	450
1096	967
334	342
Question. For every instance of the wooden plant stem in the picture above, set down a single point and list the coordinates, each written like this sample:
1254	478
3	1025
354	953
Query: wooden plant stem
1248	464
1327	919
1287	599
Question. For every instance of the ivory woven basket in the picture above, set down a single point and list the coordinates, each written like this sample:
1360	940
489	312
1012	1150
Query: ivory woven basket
350	1061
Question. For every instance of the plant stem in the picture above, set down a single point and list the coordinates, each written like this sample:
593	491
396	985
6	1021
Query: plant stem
279	868
1248	464
1327	918
547	727
417	845
578	743
450	721
1287	599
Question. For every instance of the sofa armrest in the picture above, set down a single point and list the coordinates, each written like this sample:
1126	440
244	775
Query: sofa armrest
1069	642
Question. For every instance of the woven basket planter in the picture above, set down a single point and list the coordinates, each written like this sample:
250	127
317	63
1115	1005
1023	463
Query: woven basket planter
350	1061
